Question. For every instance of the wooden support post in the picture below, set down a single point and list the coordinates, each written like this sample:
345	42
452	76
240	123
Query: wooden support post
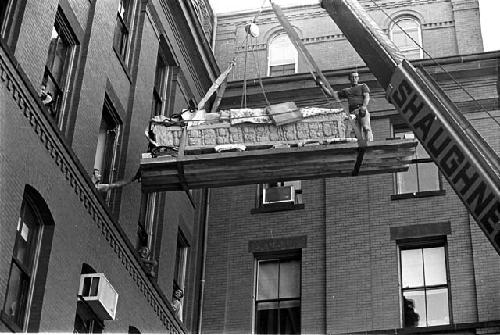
359	158
220	94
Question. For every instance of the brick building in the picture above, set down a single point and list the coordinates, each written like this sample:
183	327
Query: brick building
375	254
79	82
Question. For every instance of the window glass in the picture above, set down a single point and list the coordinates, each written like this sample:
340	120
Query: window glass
289	285
424	286
282	56
124	18
428	174
278	296
411	267
437	307
268	281
414	309
434	266
422	175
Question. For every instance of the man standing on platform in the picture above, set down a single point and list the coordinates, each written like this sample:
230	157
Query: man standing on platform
358	96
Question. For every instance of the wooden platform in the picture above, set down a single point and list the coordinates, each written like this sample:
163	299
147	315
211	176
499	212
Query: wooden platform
168	173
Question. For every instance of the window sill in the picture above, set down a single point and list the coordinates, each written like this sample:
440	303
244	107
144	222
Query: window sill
414	195
277	207
122	63
7	321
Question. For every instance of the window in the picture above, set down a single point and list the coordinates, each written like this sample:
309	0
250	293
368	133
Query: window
424	285
86	321
405	32
158	89
4	11
124	23
11	14
58	67
180	270
163	90
165	81
277	302
29	264
422	175
282	56
286	192
107	139
148	233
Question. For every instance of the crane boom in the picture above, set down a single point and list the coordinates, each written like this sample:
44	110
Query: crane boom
469	164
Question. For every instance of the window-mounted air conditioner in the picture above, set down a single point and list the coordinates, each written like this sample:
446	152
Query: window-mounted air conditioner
96	291
273	195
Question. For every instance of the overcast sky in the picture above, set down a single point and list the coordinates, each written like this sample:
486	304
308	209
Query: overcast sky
489	11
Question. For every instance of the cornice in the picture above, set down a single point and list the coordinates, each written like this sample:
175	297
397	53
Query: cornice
73	172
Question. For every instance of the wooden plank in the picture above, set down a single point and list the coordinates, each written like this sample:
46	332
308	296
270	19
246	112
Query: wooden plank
267	165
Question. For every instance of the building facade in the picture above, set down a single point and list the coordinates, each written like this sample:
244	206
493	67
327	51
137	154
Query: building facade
79	83
381	254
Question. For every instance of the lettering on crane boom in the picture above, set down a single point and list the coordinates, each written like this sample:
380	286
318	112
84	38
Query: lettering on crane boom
475	189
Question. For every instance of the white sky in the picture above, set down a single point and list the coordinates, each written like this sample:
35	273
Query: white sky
489	11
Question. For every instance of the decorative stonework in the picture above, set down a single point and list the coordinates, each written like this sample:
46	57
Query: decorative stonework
318	128
72	171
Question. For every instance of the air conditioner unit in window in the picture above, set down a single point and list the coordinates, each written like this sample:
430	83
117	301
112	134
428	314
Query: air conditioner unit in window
273	195
99	295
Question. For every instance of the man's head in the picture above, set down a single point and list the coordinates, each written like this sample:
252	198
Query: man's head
354	78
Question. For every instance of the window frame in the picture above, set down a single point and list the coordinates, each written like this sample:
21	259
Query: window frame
149	232
394	26
108	153
60	94
31	271
163	87
278	257
122	40
272	40
400	129
10	22
415	244
180	270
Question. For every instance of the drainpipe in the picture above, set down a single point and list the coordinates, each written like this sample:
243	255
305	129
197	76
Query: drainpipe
203	259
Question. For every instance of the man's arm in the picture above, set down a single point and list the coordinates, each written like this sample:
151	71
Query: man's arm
366	100
333	94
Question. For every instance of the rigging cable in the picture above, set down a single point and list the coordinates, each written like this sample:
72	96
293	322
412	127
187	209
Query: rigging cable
258	73
244	91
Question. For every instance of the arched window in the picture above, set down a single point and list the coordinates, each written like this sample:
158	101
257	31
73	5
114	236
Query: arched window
404	32
282	56
28	269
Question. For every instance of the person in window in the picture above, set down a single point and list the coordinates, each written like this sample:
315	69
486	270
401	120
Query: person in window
149	264
358	96
411	317
46	97
177	302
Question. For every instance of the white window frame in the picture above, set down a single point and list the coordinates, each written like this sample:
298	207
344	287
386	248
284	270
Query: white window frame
395	27
269	54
